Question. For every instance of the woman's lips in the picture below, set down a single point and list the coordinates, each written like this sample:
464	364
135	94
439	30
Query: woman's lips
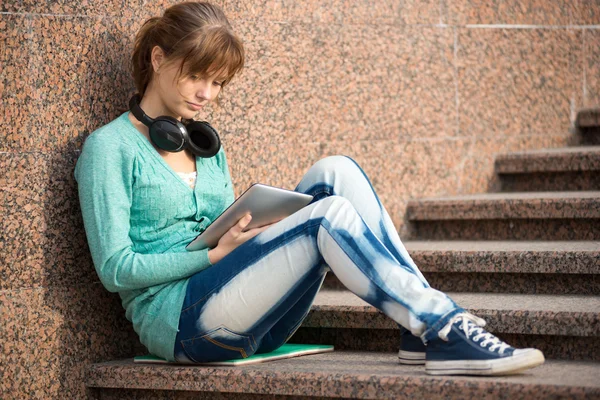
194	106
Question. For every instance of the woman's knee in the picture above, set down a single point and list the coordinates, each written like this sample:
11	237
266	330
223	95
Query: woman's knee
336	163
338	212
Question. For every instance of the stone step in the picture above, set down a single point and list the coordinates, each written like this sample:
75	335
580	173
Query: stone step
588	126
562	326
507	216
564	169
340	374
544	267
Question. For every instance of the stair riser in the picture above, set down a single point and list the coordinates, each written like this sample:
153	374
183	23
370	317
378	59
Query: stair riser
511	229
584	284
550	182
322	385
384	340
515	283
589	136
546	323
139	394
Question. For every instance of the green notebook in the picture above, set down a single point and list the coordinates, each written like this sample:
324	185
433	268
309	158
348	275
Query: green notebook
286	351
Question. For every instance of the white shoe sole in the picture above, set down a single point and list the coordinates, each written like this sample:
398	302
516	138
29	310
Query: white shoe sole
501	366
411	357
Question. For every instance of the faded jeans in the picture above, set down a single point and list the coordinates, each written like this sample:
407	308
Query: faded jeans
255	298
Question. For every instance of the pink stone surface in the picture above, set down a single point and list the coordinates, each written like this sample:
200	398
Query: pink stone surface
419	100
48	337
518	82
592	68
518	12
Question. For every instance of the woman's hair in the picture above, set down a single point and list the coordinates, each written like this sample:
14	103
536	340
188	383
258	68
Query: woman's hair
198	34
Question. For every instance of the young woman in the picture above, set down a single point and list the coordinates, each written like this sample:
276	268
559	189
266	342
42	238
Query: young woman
142	205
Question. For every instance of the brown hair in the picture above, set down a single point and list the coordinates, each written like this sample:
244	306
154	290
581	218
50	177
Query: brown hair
198	34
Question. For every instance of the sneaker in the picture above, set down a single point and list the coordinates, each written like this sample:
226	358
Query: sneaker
412	349
464	348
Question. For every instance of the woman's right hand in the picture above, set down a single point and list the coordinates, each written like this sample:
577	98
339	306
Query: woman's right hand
233	238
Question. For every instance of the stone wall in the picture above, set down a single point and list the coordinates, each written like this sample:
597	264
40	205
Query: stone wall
421	93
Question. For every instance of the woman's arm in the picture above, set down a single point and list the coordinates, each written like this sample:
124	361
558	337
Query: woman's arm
104	173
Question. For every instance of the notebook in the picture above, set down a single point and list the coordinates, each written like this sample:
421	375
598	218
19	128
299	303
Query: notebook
288	350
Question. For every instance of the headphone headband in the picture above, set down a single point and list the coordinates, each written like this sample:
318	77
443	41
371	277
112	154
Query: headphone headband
136	110
171	135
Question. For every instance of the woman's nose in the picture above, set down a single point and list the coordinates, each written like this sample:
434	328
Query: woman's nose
204	91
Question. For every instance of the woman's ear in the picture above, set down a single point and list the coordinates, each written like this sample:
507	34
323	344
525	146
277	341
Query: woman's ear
157	58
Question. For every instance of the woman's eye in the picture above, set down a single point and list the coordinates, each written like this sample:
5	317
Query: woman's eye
218	83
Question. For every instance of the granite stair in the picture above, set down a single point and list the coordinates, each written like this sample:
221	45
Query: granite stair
507	216
567	169
587	125
336	375
526	259
562	326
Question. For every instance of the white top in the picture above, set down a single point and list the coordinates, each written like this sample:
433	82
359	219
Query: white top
188	177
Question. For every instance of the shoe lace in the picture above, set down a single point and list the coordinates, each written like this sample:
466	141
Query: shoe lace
471	325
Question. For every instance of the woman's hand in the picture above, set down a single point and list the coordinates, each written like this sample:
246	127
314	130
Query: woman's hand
233	238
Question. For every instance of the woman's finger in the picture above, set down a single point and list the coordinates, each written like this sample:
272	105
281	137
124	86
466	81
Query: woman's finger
242	223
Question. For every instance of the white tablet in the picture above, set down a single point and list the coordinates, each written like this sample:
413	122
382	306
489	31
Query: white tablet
267	204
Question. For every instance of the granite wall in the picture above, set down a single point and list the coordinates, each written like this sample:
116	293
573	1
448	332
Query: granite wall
422	93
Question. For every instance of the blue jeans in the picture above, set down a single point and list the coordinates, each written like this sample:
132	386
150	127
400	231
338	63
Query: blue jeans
256	297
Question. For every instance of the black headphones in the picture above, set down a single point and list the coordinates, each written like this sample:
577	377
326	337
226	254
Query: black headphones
171	135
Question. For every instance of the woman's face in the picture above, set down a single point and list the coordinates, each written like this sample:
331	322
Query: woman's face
186	97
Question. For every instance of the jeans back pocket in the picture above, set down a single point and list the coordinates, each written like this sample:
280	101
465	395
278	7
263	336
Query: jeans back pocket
219	344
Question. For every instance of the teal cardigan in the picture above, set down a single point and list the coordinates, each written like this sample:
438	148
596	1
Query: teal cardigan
138	216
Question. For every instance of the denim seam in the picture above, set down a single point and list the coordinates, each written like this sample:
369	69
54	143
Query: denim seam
241	350
298	325
206	336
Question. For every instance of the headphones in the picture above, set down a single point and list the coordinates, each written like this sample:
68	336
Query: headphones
171	135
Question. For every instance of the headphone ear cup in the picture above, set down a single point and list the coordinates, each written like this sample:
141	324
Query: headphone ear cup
204	140
168	134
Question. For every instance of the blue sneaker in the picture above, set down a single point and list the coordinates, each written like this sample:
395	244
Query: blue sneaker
464	348
412	349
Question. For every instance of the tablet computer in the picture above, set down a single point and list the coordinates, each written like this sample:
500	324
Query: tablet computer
267	204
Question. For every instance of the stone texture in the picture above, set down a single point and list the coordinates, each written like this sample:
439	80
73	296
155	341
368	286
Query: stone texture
69	7
479	174
591	62
544	205
518	81
550	160
335	375
551	182
569	315
549	257
57	97
43	239
516	12
361	12
515	283
588	118
16	94
507	229
130	394
588	12
341	82
49	335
